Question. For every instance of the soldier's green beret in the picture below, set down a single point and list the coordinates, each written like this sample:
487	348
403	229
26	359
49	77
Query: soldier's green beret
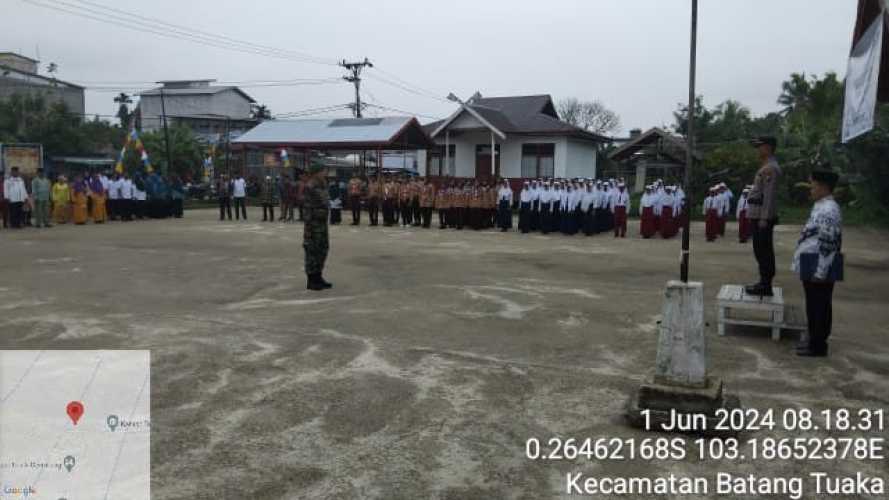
316	164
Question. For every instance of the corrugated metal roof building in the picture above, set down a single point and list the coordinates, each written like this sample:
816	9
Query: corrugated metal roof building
346	142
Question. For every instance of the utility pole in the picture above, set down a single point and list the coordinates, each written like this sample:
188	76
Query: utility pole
166	133
689	143
355	78
227	145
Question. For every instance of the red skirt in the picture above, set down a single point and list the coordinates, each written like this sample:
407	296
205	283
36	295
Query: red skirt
712	225
743	227
668	223
648	227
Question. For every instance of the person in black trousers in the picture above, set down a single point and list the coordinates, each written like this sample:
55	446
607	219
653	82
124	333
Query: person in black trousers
223	194
818	262
763	215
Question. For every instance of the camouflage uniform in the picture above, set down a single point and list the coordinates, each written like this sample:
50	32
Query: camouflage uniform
315	241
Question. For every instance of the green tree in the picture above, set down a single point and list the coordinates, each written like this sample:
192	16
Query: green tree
31	118
123	111
703	120
186	151
794	93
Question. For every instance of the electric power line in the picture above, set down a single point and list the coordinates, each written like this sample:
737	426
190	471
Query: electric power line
320	60
387	108
405	88
313	111
170	31
109	15
429	93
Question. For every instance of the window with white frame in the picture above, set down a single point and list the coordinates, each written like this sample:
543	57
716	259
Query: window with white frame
538	159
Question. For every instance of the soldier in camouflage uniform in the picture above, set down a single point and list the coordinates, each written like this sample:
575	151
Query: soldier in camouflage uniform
315	239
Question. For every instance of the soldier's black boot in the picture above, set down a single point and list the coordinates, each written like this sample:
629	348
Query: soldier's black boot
324	283
314	283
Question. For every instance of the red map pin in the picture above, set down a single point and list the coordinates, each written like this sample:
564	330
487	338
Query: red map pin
75	411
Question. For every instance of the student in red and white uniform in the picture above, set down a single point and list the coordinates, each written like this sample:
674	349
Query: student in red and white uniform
741	214
620	207
647	224
711	215
668	221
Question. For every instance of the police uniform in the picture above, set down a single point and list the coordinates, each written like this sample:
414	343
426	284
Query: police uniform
763	215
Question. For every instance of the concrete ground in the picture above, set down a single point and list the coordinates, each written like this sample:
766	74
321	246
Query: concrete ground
437	354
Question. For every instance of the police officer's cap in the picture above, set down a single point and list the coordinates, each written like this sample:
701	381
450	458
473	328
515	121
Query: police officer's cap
765	139
316	164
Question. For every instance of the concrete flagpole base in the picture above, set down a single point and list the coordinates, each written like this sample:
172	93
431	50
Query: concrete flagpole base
680	396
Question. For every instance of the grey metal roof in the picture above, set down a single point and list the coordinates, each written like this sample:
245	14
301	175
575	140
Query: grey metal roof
672	145
210	90
531	114
326	131
16	74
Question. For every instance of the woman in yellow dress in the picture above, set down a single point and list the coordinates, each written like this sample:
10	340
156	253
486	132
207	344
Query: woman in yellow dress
97	193
79	194
61	200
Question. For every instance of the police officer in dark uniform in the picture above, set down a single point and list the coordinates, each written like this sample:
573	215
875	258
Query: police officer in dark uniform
315	237
763	214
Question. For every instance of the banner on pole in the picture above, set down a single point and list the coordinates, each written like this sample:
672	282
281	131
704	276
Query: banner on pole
862	79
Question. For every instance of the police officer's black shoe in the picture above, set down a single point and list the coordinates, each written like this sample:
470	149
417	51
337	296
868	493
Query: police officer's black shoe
811	353
314	283
761	290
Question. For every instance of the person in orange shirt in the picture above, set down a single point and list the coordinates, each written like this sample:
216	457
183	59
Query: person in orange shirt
427	201
405	193
442	205
356	191
97	194
374	188
79	195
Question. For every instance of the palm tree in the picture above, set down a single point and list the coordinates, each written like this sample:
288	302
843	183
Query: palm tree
123	111
794	93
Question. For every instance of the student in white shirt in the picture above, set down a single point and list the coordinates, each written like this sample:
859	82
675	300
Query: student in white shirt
126	198
113	190
504	206
647	225
239	194
744	229
526	210
711	211
536	193
140	198
620	207
587	210
545	208
15	193
668	225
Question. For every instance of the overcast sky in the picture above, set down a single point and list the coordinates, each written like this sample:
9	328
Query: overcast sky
631	54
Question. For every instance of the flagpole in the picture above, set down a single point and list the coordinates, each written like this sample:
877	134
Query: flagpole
166	135
690	144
